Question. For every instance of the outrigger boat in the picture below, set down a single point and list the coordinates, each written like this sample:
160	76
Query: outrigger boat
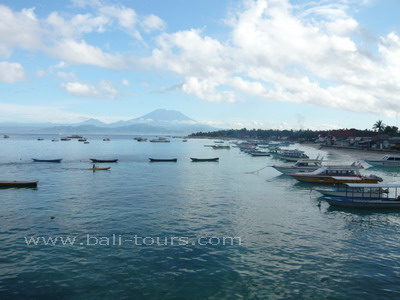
99	169
18	184
47	160
204	159
337	174
95	160
389	198
163	159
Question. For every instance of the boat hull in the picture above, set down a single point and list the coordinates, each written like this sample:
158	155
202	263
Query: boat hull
18	184
361	203
47	160
334	180
104	160
99	169
204	159
163	160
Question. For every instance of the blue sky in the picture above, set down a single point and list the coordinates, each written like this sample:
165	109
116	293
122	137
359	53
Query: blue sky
232	64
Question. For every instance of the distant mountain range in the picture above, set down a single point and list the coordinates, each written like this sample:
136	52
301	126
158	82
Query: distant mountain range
160	121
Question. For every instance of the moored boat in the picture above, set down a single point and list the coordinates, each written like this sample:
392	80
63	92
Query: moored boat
336	174
387	199
301	166
99	169
291	155
18	184
385	161
160	140
95	160
163	159
58	160
204	159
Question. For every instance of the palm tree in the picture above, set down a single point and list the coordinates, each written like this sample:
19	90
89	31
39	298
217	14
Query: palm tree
379	126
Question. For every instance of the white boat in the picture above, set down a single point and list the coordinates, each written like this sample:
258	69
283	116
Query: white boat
388	160
291	155
301	166
355	191
390	199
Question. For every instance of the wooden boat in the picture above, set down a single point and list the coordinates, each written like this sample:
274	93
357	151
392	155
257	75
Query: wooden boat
95	160
336	174
18	184
99	169
163	159
47	160
387	199
204	159
385	161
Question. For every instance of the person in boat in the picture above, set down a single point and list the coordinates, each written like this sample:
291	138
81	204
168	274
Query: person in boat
94	166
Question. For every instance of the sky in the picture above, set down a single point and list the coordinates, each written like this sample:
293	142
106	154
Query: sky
281	64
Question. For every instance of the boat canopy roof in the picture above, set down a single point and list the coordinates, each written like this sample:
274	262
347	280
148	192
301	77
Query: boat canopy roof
373	185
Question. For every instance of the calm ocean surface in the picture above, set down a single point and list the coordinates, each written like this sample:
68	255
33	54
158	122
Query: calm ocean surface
289	247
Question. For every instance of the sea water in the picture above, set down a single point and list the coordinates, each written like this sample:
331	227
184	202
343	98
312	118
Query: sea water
184	230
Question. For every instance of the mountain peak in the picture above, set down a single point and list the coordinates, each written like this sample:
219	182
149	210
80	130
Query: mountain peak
164	115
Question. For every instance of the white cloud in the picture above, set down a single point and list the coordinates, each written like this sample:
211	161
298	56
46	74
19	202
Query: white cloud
11	72
281	52
125	82
19	30
102	90
152	23
81	52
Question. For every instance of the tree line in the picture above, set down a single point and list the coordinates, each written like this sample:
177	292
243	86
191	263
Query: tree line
378	128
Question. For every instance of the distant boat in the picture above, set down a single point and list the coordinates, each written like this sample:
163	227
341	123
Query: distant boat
6	136
86	142
163	159
54	140
65	139
204	159
99	169
74	136
95	160
260	153
216	147
160	140
184	140
82	140
106	139
18	184
40	139
140	139
47	160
